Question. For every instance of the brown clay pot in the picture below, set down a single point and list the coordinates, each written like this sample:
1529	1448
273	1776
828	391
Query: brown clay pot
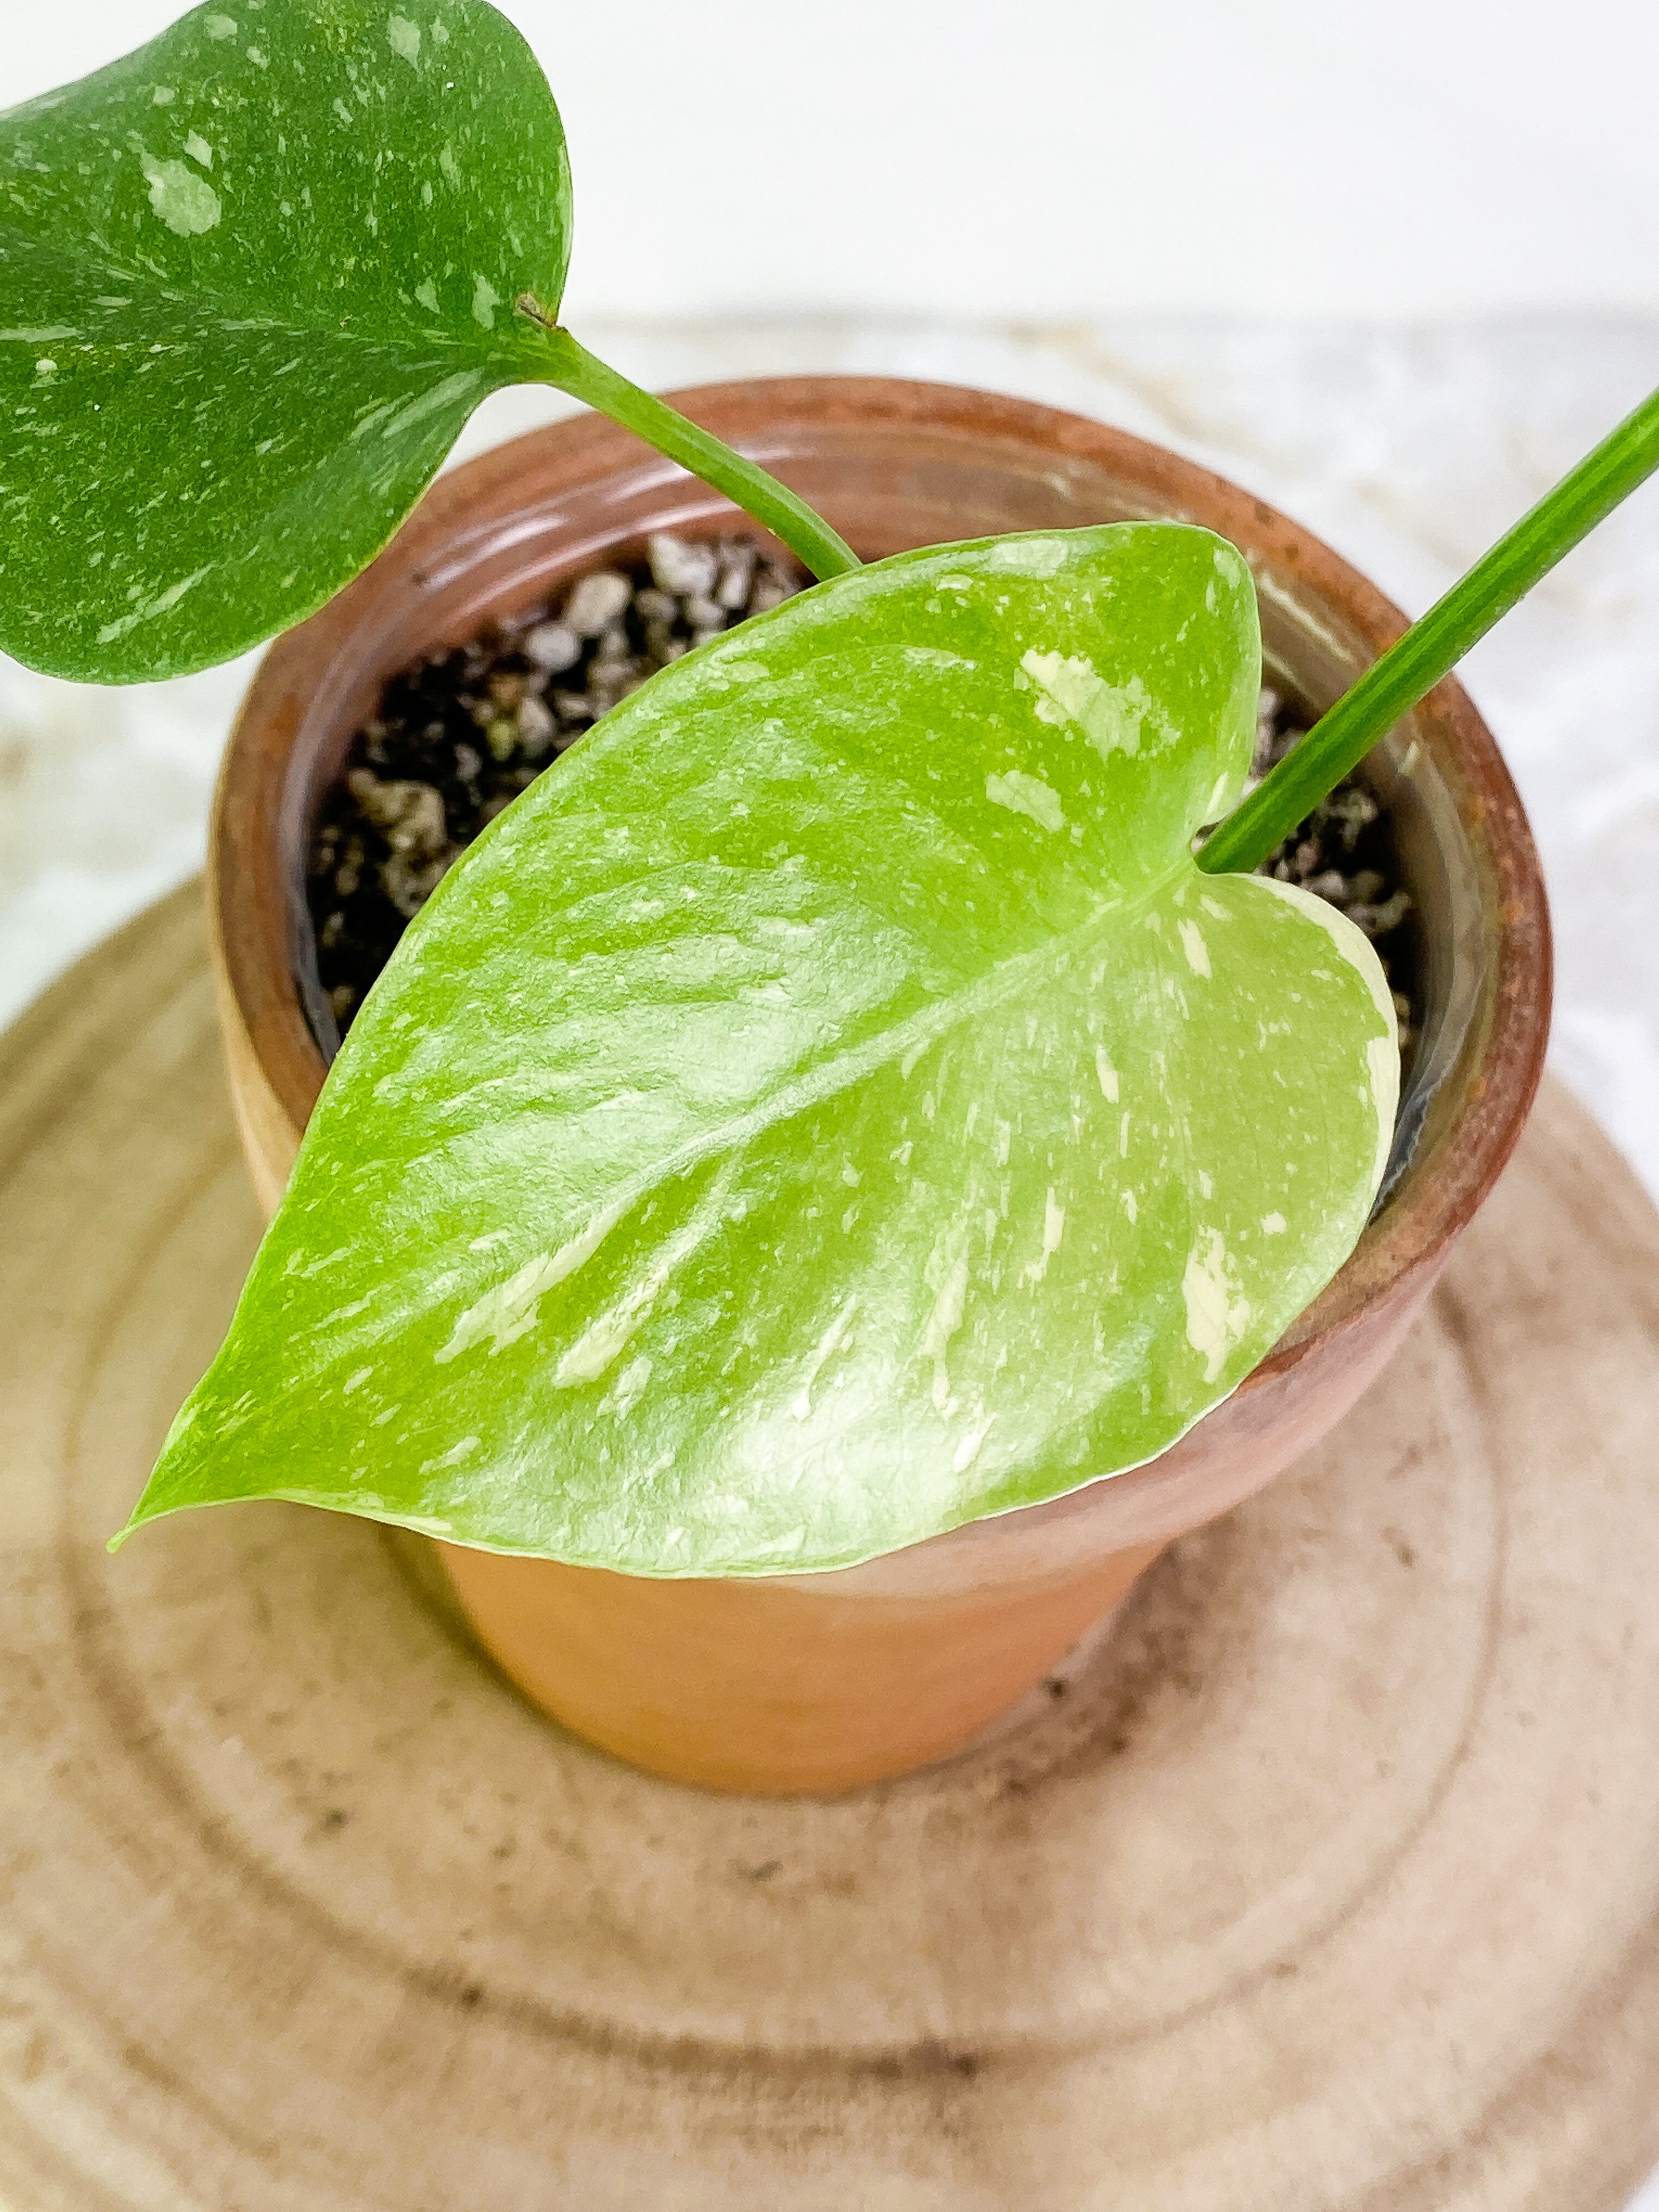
820	1682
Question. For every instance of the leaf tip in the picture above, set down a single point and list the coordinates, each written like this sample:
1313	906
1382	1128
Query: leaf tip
135	1521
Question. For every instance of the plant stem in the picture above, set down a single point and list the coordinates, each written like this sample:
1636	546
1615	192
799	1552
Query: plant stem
1412	667
585	377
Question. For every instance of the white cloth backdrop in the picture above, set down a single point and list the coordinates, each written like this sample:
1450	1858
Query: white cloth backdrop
1061	157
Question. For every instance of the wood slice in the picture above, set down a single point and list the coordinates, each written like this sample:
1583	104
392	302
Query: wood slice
1330	1879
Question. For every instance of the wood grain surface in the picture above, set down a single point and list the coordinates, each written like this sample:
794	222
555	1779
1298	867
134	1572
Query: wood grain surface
1330	1879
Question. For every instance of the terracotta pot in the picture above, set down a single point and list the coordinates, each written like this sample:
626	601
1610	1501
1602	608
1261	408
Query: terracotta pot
809	1683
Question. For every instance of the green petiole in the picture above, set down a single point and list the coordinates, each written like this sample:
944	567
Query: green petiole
1432	647
585	377
1390	688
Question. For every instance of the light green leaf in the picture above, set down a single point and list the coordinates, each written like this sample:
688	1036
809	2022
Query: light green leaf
830	1106
256	275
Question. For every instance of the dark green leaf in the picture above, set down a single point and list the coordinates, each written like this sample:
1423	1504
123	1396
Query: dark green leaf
256	275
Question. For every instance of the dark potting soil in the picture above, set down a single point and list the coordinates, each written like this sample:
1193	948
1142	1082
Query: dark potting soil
458	737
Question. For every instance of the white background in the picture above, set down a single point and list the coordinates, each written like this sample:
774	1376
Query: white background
1047	158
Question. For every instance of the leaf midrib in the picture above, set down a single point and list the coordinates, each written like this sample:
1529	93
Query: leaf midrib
801	1094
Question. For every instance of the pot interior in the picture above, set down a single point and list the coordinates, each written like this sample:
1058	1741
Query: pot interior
887	487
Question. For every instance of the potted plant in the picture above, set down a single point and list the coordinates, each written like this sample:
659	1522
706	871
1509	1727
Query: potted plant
831	1183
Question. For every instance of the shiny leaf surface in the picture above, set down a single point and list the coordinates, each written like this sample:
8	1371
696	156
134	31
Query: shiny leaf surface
256	275
831	1105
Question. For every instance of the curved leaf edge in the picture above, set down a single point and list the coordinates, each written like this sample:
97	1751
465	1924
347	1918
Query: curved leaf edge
1357	952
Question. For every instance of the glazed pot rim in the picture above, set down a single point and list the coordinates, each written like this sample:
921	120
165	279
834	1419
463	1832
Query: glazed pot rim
1482	1101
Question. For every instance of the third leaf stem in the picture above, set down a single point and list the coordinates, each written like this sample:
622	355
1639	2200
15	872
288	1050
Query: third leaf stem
1430	647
